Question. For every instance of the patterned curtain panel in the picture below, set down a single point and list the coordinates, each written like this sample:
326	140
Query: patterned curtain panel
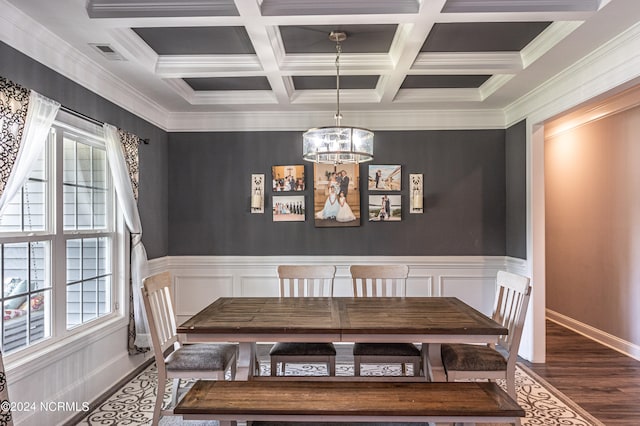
130	143
122	152
14	101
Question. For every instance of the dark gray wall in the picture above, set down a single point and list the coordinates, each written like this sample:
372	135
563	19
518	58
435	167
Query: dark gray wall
153	197
465	196
516	184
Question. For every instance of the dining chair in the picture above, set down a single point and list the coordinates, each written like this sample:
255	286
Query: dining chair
383	281
304	281
194	361
466	361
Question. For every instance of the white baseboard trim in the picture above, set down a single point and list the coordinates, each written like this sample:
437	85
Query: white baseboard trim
617	344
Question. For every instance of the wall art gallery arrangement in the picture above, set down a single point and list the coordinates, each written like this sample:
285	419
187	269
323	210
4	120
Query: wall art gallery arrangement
336	194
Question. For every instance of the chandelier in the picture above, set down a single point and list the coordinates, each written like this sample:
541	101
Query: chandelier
337	144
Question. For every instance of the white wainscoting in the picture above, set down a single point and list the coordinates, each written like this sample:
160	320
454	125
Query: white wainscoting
198	280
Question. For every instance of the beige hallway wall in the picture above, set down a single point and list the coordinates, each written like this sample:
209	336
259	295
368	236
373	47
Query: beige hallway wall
592	184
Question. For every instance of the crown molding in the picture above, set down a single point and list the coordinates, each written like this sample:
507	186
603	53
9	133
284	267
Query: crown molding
34	40
614	65
249	121
594	111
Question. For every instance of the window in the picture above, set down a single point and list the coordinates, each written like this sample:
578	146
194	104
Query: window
57	238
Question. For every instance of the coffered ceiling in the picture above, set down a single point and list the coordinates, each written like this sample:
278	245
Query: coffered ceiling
255	56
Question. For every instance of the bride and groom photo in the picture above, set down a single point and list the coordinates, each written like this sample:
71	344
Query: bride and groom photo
336	195
385	208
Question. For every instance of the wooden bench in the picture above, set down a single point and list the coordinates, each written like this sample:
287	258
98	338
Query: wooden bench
344	401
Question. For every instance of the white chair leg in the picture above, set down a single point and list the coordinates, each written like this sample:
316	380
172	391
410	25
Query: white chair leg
160	388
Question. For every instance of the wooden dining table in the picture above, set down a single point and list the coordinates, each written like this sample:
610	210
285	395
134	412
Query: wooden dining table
427	320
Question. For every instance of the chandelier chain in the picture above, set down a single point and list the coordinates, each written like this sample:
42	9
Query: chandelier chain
338	52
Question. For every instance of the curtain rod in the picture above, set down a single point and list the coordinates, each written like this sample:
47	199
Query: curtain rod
91	119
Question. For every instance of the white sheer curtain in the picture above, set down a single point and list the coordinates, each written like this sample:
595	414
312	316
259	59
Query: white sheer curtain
40	115
129	207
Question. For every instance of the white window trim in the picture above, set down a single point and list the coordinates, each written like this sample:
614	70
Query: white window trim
63	341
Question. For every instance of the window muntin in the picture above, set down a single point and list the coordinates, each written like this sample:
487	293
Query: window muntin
26	293
85	186
71	180
88	279
27	210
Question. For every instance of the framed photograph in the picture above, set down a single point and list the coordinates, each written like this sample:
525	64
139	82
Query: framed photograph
287	178
385	208
384	177
288	208
336	195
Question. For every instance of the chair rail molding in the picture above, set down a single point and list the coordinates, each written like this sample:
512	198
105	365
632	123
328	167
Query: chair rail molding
198	280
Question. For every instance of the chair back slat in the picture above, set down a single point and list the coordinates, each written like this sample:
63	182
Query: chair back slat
158	306
379	280
510	309
306	281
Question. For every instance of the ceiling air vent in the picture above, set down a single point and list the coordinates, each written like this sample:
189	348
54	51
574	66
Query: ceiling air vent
108	52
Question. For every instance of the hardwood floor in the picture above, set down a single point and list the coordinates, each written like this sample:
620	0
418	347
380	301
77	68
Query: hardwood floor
602	381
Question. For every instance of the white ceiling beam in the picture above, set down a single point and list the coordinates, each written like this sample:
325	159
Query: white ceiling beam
406	47
425	96
551	36
176	66
144	8
467	63
265	45
521	6
324	64
350	96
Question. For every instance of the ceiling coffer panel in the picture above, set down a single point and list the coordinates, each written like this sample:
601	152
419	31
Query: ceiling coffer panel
444	81
329	82
337	7
315	38
502	6
482	36
197	40
228	83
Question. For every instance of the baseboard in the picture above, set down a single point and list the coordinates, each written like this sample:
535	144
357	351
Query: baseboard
107	394
617	344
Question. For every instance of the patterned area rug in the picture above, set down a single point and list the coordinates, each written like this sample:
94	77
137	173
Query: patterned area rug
133	403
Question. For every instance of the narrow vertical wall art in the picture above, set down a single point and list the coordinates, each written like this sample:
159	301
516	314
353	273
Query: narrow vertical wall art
416	195
257	193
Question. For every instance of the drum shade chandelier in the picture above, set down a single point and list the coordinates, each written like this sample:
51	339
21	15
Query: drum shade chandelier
338	144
